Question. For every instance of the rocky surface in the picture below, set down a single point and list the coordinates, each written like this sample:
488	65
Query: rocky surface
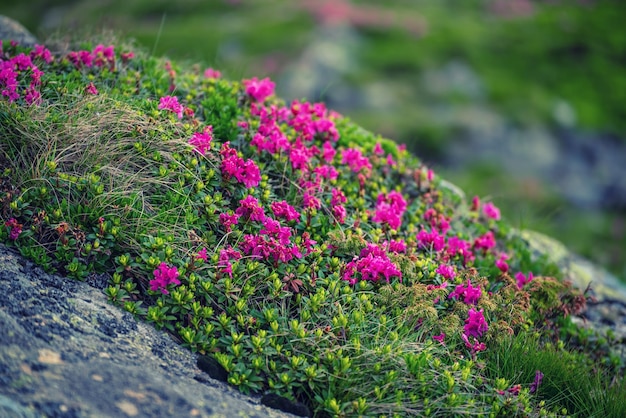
66	352
12	30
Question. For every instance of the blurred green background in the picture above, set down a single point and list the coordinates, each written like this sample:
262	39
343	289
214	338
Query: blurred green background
522	102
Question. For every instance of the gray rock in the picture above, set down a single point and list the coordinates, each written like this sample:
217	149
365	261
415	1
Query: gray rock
65	351
12	30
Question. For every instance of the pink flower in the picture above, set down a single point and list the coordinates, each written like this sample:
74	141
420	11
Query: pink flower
469	293
211	73
397	246
389	209
328	152
171	103
227	254
373	266
355	160
41	52
502	264
338	197
475	324
378	149
446	271
284	210
475	346
535	385
430	240
16	228
522	280
202	255
259	90
339	212
201	141
250	208
439	337
491	211
246	172
310	202
475	203
228	220
164	276
91	89
485	241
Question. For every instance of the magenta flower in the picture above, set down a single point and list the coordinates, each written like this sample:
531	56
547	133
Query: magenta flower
475	324
91	89
164	276
475	203
259	90
355	160
340	213
16	228
474	346
430	240
328	152
211	73
469	293
502	264
389	209
372	264
397	246
485	242
439	337
227	254
460	247
522	279
202	255
228	220
250	208
378	149
491	211
284	210
446	271
201	141
171	103
41	52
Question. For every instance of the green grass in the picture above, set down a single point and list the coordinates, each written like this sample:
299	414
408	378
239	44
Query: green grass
345	325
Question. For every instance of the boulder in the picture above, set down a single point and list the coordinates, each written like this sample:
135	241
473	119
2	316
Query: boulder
65	351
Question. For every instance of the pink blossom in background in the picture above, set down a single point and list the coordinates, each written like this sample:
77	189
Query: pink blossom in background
259	90
430	240
475	203
485	241
502	264
164	276
41	52
397	246
340	213
389	209
475	346
491	211
439	337
311	202
91	89
326	171
171	103
378	149
522	279
202	255
201	141
211	73
328	152
475	324
338	197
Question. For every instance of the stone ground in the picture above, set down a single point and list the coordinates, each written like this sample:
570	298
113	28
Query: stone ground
66	352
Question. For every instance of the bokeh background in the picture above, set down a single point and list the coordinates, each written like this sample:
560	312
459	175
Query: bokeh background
518	101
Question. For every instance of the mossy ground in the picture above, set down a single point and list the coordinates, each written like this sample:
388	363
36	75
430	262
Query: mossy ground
311	258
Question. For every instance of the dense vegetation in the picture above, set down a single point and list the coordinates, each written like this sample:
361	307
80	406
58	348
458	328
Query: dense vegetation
309	257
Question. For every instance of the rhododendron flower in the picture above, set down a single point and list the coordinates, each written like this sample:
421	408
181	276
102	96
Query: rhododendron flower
227	254
268	248
16	228
502	264
328	152
474	346
475	324
284	210
475	203
522	279
211	73
430	240
458	246
326	171
91	89
372	264
103	55
228	220
310	202
389	209
249	208
201	141
446	271
246	172
202	255
469	293
397	246
491	211
164	276
378	149
355	160
171	103
338	197
40	51
485	241
439	337
340	213
259	90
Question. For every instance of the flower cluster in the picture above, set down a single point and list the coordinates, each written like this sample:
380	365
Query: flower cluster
355	159
15	228
469	293
373	265
246	172
171	103
100	56
201	141
14	73
522	279
164	276
389	209
259	90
